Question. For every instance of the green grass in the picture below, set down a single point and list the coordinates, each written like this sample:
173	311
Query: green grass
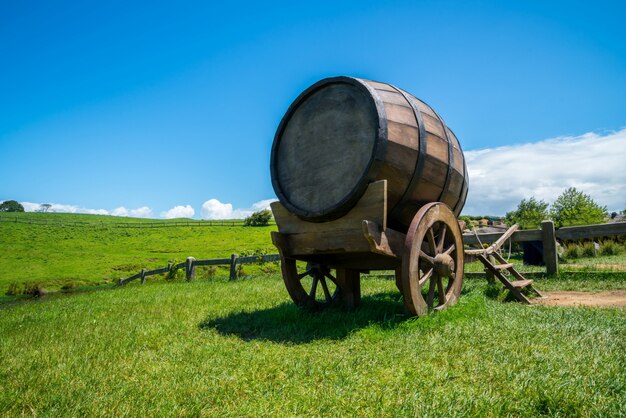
242	349
56	255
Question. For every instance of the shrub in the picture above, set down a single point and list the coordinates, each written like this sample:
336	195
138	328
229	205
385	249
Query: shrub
589	249
240	271
174	273
211	271
610	247
260	218
572	251
15	289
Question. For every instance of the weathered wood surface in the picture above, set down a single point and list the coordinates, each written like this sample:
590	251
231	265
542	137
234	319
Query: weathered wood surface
385	242
591	231
564	233
550	255
344	132
372	206
496	245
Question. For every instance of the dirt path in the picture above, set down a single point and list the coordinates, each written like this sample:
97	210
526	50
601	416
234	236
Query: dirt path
613	298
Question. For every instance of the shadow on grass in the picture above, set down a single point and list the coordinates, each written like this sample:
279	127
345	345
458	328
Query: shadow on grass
286	323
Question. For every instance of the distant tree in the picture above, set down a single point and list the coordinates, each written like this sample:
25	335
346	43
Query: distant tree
11	206
44	207
576	208
529	213
260	218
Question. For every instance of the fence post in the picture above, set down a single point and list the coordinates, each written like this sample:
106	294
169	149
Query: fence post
143	275
190	269
550	256
169	266
233	267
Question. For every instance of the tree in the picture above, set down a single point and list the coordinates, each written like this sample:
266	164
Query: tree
11	206
44	207
260	218
529	213
576	208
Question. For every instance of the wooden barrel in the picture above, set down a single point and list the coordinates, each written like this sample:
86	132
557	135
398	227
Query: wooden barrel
343	133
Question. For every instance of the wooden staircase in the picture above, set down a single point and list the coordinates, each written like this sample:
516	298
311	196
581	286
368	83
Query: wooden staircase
496	264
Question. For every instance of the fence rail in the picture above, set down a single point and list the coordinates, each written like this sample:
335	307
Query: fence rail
547	235
141	224
191	263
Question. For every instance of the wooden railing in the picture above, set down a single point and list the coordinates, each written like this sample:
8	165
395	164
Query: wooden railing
115	224
191	263
547	235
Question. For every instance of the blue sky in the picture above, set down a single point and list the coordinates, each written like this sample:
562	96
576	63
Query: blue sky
150	106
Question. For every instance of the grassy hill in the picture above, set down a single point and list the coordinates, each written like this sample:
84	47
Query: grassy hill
60	249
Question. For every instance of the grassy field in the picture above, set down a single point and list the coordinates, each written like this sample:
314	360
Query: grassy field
242	349
56	255
218	348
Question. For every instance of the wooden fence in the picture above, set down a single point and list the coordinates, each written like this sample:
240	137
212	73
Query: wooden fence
191	263
136	224
547	235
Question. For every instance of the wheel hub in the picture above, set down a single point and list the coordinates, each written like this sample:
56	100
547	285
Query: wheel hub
444	265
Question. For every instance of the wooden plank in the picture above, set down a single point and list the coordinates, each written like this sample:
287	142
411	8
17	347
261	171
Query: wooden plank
514	291
520	284
518	236
550	255
392	97
379	86
372	206
503	266
591	231
233	267
340	241
155	272
214	262
271	257
401	114
388	242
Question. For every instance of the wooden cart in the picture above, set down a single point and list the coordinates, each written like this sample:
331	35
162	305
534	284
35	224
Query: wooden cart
427	260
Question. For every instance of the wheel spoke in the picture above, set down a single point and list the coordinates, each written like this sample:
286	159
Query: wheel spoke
331	278
313	287
430	236
431	290
303	275
425	257
325	288
426	276
442	294
442	237
450	250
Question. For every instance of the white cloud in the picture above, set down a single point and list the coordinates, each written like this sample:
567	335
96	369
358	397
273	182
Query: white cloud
593	163
142	212
214	209
60	207
179	212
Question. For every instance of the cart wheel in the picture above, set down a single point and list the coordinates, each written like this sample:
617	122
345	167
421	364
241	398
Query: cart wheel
432	265
315	288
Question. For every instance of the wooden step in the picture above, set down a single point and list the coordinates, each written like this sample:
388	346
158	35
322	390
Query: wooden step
503	266
520	284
